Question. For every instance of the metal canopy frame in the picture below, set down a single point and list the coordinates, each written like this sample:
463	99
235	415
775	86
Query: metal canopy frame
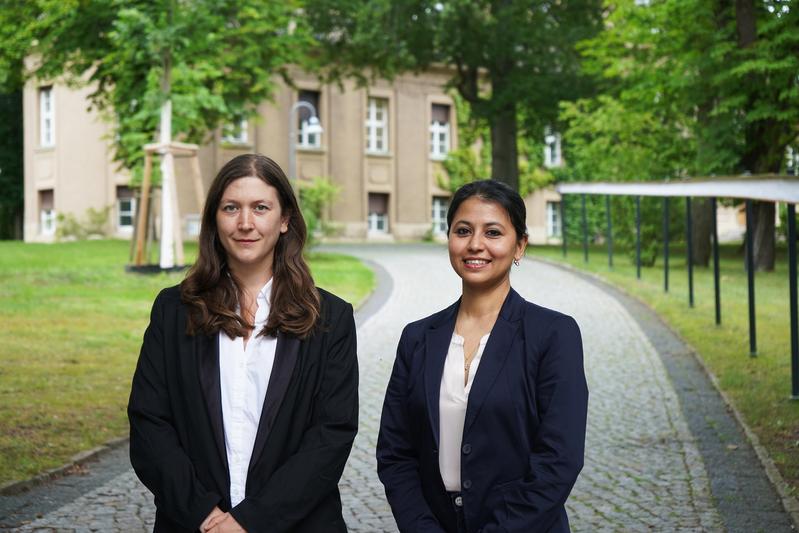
766	187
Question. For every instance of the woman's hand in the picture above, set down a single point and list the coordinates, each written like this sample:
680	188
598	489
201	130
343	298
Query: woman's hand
213	518
228	524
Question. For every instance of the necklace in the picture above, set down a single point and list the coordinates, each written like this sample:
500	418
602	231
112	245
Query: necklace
467	364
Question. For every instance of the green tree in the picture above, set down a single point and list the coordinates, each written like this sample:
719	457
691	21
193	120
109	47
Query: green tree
13	45
11	169
687	88
471	159
510	59
215	60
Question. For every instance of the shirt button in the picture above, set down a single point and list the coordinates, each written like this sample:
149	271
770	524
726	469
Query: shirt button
467	484
467	449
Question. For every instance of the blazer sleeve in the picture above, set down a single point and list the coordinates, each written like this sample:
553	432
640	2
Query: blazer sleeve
313	472
155	451
556	458
397	457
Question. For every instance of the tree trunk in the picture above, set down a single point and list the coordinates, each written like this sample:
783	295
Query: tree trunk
763	214
504	152
763	152
702	227
745	22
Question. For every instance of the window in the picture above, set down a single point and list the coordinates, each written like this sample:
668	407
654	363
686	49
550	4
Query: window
46	117
47	218
304	138
236	133
553	219
377	126
440	206
126	209
552	157
439	131
192	225
378	213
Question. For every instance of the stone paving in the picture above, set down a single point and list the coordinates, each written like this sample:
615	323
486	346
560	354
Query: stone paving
643	469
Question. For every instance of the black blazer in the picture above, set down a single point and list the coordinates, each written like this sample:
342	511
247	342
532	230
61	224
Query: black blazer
307	426
524	433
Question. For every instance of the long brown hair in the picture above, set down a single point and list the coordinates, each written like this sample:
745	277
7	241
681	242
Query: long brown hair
212	292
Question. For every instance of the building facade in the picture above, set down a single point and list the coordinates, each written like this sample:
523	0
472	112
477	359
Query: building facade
383	146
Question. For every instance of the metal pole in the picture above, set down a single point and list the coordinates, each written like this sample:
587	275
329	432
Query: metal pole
750	272
666	244
638	237
716	277
563	222
690	250
585	230
792	296
610	231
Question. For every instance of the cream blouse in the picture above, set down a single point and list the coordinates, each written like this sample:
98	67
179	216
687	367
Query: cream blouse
452	401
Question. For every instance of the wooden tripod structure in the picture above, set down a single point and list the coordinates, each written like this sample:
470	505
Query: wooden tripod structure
168	151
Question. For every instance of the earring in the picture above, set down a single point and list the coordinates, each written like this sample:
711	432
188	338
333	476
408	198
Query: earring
516	262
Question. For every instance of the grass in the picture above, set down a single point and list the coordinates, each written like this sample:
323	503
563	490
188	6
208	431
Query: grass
72	322
760	387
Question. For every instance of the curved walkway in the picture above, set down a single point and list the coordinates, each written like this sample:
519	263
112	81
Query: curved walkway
648	450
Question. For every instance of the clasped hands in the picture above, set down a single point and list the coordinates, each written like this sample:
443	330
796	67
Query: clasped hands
220	522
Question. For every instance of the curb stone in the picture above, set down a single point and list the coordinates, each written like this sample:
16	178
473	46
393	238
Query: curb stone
789	502
74	464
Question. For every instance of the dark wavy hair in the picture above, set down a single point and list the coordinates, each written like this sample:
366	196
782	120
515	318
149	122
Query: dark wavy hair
212	292
493	191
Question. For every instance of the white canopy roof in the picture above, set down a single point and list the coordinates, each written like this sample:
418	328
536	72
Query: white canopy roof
768	187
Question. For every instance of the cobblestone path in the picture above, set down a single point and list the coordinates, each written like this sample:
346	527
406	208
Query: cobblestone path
643	469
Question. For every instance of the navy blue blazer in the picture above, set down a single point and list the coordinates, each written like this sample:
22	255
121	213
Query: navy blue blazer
524	433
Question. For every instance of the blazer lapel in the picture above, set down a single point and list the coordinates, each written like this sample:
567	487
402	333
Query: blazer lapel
286	354
503	336
207	347
437	340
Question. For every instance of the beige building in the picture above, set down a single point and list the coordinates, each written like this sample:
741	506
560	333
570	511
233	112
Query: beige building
383	146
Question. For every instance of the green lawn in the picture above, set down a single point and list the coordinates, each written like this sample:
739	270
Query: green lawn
72	322
760	387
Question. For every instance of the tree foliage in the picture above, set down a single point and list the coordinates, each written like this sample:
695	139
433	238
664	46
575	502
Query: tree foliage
689	88
315	196
510	59
11	170
471	159
214	59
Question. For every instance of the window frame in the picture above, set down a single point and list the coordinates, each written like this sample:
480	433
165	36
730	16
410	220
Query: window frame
237	133
46	117
439	207
554	222
440	135
552	149
373	125
131	212
305	140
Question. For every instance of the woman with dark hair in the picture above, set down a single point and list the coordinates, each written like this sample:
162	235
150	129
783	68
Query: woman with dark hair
483	425
244	403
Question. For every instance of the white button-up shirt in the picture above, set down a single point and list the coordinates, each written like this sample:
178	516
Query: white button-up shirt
244	376
452	402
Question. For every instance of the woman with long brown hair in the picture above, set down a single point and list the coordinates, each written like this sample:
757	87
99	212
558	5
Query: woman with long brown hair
244	403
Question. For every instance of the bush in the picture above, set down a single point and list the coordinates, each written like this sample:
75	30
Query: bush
93	224
315	195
